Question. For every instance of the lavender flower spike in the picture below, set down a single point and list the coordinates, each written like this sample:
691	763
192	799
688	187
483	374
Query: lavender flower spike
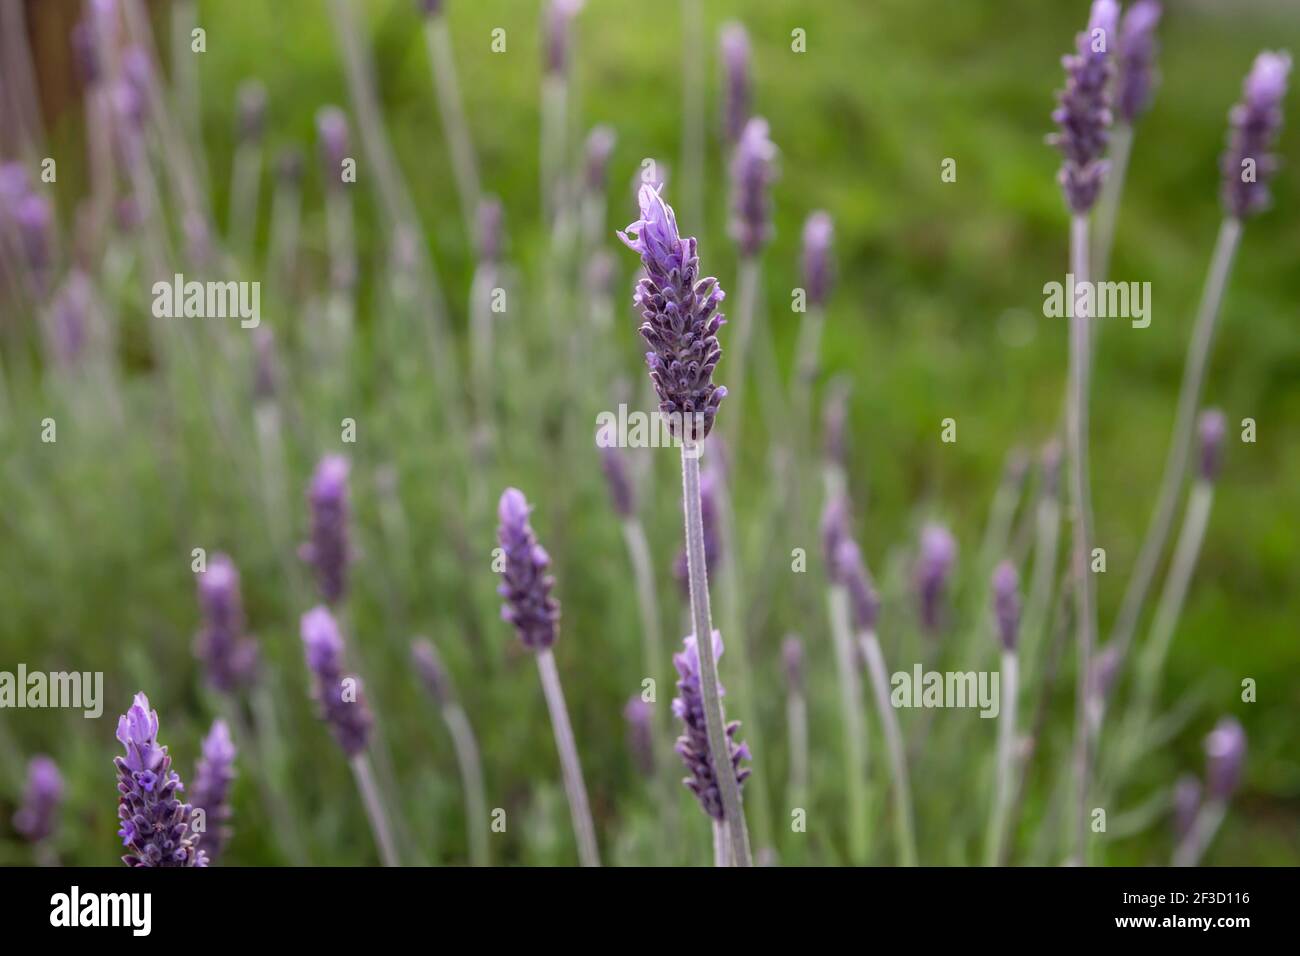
850	571
1084	110
1006	603
342	704
229	656
557	32
526	585
1225	755
1255	120
155	823
42	795
734	43
693	745
753	168
327	551
212	778
938	552
681	319
817	234
1212	427
1137	49
332	134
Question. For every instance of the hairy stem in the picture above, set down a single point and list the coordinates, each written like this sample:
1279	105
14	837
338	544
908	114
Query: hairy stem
579	809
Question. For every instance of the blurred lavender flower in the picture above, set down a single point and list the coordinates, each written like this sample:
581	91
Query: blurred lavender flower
35	220
229	656
251	112
1255	120
817	274
681	319
1084	110
70	317
525	584
557	32
212	778
1225	755
1212	428
1137	50
835	524
640	733
343	705
42	795
1187	804
792	662
753	169
328	551
332	134
933	566
1006	603
734	43
155	823
428	664
850	572
693	745
710	517
491	229
612	463
600	146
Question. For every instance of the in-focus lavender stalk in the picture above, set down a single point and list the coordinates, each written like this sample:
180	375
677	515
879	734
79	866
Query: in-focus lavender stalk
681	326
736	86
535	613
796	718
1006	613
155	823
229	657
1134	87
344	709
693	746
1084	118
38	813
843	595
455	129
640	734
934	564
1254	122
212	779
1225	758
327	551
436	679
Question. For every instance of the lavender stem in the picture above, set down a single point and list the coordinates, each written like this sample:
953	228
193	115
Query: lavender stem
855	741
903	825
455	129
572	769
692	110
374	808
1077	440
1112	190
721	844
1005	759
1189	396
555	95
1194	845
471	774
647	603
702	623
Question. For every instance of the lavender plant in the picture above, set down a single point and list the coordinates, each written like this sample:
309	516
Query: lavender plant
1225	758
328	551
229	657
38	814
213	776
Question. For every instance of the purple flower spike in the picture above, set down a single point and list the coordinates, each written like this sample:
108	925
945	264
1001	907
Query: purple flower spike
612	463
1212	428
428	664
792	662
1084	110
1187	804
526	585
693	745
710	516
327	551
681	319
332	134
734	42
1137	50
938	552
1248	165
640	734
155	823
42	795
251	112
850	572
1006	603
342	704
558	27
212	778
600	146
229	656
753	169
817	234
1225	755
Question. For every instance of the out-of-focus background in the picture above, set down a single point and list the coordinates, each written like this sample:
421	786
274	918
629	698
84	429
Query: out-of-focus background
937	314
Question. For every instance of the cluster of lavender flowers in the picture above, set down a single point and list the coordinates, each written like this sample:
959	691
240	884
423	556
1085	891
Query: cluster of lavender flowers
339	696
526	583
693	745
1084	112
229	657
